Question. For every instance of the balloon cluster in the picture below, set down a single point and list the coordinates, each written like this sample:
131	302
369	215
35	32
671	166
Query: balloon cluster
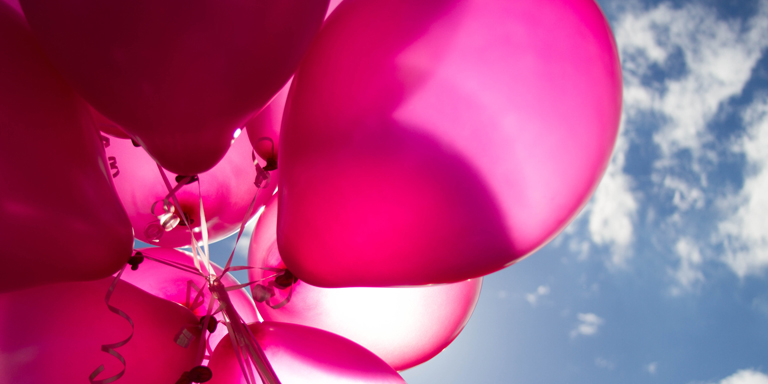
399	150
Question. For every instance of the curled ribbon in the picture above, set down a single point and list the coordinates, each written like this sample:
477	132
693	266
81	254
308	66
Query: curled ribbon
110	348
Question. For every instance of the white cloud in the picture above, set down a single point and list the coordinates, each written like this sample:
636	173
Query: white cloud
685	195
718	56
533	297
746	376
744	231
706	61
613	207
651	367
588	326
688	273
603	363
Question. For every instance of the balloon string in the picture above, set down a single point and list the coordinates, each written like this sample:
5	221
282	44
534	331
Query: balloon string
195	246
259	182
110	348
240	332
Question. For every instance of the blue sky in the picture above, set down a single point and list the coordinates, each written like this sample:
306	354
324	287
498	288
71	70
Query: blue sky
661	279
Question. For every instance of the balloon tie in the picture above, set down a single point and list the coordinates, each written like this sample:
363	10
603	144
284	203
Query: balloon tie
110	348
272	160
135	260
199	374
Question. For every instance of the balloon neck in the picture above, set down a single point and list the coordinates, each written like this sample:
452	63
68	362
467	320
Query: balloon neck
212	323
271	164
285	280
135	260
199	374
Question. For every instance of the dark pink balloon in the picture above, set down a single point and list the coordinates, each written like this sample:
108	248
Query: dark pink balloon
403	326
177	286
446	145
54	334
179	76
59	216
227	192
14	4
303	355
107	126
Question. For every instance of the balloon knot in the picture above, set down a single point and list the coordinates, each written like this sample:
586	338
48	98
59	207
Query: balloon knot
285	280
212	323
271	164
135	260
135	144
199	374
181	179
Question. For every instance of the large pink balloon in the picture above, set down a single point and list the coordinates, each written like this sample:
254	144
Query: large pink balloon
227	192
54	334
303	355
403	326
178	76
60	219
174	285
447	145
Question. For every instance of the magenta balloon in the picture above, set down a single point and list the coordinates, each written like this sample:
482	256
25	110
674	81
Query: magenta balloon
447	145
179	77
14	4
403	326
172	284
264	128
303	355
227	192
54	334
107	126
59	216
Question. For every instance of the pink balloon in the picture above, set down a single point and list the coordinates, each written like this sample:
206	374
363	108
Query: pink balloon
227	192
54	334
59	216
447	145
403	326
264	128
302	355
177	286
179	77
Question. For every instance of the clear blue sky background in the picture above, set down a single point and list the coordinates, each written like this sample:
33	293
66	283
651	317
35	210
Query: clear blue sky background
661	279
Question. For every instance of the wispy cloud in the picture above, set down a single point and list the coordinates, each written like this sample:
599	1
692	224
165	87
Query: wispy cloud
688	273
681	66
603	363
533	297
588	324
651	367
744	231
613	207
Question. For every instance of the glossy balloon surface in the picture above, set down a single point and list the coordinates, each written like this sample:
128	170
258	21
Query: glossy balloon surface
447	145
54	334
403	326
179	76
227	191
303	355
59	216
180	287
